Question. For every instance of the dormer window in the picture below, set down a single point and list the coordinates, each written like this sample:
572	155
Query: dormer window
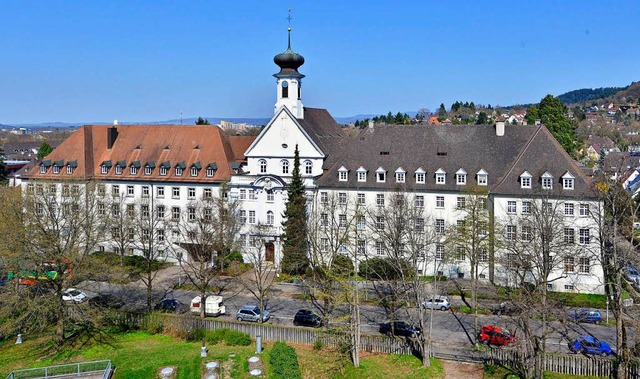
421	176
133	170
43	169
104	169
525	180
461	177
211	169
118	170
164	168
56	169
547	181
262	164
381	175
179	169
482	176
69	169
568	181
308	167
285	166
148	168
441	176
195	169
400	175
343	174
362	174
71	166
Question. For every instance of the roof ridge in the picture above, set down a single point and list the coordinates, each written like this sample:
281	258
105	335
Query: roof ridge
515	162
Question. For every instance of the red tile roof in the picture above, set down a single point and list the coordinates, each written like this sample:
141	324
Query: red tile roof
152	144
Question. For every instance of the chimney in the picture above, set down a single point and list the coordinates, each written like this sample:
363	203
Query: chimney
370	124
112	134
500	128
537	122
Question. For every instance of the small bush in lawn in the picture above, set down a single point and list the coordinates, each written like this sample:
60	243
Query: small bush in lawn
235	338
318	345
154	327
284	362
195	335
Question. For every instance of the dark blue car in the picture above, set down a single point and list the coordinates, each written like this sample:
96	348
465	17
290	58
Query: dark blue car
586	315
590	345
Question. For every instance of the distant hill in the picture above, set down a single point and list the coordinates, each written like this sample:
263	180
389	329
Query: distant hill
587	94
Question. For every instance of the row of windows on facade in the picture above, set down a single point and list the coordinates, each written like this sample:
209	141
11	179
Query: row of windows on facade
285	166
461	203
57	166
133	169
420	176
568	208
207	193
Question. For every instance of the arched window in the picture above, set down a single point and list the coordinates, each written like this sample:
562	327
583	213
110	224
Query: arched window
285	167
308	167
263	166
285	89
270	219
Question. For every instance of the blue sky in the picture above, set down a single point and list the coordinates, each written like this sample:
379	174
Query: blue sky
86	61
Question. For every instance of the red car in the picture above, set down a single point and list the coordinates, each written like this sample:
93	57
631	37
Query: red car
495	335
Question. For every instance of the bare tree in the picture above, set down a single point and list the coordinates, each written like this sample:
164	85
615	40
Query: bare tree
261	279
121	217
336	245
206	234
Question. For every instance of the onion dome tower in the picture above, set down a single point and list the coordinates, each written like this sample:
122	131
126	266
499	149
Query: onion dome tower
289	80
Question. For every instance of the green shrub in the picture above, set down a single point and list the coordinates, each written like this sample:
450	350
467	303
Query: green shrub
195	335
154	327
236	338
214	337
284	362
233	257
318	345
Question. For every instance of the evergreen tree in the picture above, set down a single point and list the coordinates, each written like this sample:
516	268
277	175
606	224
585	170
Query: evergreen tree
202	121
44	150
532	115
553	114
482	119
295	258
442	111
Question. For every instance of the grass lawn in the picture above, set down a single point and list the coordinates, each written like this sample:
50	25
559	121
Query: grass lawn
140	355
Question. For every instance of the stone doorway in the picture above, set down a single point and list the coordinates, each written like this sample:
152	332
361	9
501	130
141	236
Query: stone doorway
269	252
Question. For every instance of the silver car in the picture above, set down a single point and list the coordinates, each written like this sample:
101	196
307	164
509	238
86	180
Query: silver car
438	302
251	313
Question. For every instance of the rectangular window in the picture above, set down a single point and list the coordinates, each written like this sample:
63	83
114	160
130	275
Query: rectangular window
380	199
569	264
56	169
243	194
568	209
525	182
145	191
484	255
252	217
440	178
461	203
207	193
191	213
440	251
362	176
511	232
584	210
461	179
439	201
547	183
439	226
324	197
569	235
147	170
379	248
380	222
400	177
527	234
175	213
584	266
144	210
133	170
160	211
194	171
342	176
568	287
342	198
118	170
163	171
104	169
585	236
324	219
361	199
381	176
418	224
191	193
160	235
210	172
102	190
526	207
460	253
160	192
175	192
361	222
129	191
270	196
567	183
342	221
131	210
482	180
483	228
101	209
243	216
419	201
178	171
420	178
361	247
252	194
324	244
115	190
511	207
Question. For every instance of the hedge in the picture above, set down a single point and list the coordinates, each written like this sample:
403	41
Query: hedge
284	362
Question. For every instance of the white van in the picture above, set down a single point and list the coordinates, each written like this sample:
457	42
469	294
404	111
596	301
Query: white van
213	305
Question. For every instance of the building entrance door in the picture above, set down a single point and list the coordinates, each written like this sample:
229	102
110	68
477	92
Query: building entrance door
269	252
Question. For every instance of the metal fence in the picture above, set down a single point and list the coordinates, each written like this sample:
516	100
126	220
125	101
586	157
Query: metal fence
67	370
559	363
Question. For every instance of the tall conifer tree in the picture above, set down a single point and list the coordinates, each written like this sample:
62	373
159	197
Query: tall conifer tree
295	246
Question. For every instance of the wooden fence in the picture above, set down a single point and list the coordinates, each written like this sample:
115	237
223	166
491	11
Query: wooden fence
559	363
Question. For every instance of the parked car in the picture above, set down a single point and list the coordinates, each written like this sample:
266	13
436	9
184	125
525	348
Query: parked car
212	305
400	328
106	301
505	308
495	335
438	302
305	317
171	305
251	313
590	345
631	274
74	295
586	315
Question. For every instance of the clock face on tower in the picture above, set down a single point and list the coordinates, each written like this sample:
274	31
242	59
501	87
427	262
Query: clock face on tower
285	84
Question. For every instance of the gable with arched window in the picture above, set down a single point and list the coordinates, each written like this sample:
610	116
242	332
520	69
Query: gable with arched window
308	167
285	166
262	166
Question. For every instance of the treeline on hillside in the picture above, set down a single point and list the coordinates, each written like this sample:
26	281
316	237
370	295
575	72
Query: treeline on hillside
390	118
586	94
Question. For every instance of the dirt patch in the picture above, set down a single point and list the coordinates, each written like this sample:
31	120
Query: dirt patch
456	370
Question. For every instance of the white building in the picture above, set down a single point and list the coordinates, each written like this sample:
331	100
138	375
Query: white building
518	166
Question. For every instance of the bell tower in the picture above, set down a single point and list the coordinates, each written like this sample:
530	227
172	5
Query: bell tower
289	80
